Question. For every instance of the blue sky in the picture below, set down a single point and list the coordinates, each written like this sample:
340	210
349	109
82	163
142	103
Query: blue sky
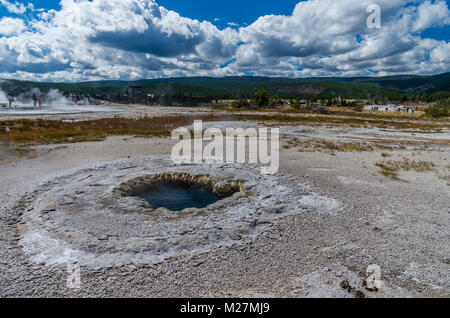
234	11
221	13
131	39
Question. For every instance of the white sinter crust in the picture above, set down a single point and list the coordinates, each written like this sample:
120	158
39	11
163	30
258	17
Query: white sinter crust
85	217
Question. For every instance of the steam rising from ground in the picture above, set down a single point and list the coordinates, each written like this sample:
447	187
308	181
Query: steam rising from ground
52	98
53	102
3	98
55	98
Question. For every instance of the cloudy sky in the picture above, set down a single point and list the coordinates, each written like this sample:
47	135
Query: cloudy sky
78	40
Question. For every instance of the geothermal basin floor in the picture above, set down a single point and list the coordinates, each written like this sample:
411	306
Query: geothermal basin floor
338	216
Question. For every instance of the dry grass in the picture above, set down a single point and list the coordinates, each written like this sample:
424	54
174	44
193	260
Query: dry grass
349	113
311	146
388	171
33	132
391	168
356	122
376	115
348	147
325	145
331	146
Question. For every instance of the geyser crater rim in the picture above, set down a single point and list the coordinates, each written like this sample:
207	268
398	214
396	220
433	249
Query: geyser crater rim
138	187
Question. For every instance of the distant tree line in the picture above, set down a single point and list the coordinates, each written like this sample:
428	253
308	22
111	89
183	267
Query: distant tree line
250	94
261	99
440	109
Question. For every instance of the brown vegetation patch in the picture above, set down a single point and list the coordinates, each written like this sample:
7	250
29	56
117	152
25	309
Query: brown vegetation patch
332	146
32	132
351	113
400	142
295	119
339	111
391	168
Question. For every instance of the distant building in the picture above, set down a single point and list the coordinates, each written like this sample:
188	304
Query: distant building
389	107
134	91
202	100
138	95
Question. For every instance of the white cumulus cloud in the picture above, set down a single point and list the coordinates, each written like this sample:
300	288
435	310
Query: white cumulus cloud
10	26
129	39
16	7
432	14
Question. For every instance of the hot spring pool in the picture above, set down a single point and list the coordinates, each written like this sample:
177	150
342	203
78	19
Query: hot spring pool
177	198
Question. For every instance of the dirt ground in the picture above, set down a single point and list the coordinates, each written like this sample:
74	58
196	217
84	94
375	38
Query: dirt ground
375	196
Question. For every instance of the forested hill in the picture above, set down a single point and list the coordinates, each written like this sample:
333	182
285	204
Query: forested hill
225	87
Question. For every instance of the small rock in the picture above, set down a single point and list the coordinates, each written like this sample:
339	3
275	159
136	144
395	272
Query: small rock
262	221
102	238
373	290
359	294
346	285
